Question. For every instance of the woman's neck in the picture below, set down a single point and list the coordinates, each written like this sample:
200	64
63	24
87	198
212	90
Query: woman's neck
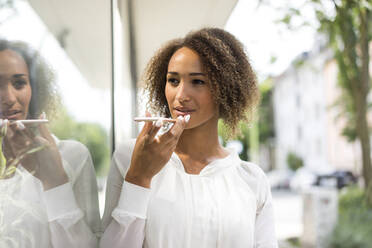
200	144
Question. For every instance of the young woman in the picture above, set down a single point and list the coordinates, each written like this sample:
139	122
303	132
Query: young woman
182	188
51	199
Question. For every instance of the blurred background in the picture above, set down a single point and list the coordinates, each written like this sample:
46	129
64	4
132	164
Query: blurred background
312	132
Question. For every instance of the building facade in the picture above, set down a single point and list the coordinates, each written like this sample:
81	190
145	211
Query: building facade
305	114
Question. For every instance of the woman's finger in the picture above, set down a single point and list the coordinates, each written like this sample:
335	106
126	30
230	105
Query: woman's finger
9	132
23	130
18	138
147	127
155	129
42	141
8	149
44	131
7	145
175	132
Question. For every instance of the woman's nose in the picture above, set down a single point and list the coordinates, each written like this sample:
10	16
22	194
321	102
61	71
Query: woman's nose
7	96
183	92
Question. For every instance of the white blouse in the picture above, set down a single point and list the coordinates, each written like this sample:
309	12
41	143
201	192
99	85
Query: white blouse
227	205
64	216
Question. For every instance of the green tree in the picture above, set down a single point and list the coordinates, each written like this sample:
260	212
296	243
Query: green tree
294	161
349	36
248	132
92	135
354	221
266	112
347	24
243	136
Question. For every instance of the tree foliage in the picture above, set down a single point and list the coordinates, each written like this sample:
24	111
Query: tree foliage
92	135
265	123
347	24
349	35
243	136
354	221
294	161
266	113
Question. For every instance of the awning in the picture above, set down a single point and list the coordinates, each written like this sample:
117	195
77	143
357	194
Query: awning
83	28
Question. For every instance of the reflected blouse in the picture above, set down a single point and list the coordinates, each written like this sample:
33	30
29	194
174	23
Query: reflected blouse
64	216
227	205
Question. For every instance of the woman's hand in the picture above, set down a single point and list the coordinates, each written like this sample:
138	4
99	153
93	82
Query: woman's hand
151	153
45	164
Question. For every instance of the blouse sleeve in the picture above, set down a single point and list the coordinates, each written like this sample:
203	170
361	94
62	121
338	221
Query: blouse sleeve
72	208
126	206
265	236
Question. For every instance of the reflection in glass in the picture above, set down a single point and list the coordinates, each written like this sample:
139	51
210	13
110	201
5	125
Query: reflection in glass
48	186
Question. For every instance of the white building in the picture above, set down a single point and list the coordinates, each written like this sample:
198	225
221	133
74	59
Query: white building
305	121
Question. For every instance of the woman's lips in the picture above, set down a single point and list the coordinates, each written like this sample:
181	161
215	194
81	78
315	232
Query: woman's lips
14	115
183	112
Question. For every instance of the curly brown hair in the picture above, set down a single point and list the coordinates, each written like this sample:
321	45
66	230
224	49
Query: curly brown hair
232	80
45	97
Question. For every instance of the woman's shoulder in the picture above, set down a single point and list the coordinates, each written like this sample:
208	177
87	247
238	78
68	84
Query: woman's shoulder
72	145
251	169
75	157
245	168
257	180
72	150
254	176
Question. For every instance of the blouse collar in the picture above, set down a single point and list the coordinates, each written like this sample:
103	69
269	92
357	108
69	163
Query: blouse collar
213	167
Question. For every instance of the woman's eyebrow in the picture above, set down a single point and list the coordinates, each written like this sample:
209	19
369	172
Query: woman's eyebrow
197	74
191	73
19	75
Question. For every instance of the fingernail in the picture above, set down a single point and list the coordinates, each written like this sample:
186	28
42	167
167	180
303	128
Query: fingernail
159	123
187	118
43	115
20	125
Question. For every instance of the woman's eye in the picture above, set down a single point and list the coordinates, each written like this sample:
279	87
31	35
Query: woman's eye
172	80
198	81
19	83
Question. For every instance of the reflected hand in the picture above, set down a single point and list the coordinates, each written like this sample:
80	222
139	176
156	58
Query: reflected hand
151	153
45	164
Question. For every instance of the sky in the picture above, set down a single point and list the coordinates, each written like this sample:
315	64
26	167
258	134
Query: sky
253	25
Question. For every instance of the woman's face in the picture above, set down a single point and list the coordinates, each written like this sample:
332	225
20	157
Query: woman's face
15	88
188	90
